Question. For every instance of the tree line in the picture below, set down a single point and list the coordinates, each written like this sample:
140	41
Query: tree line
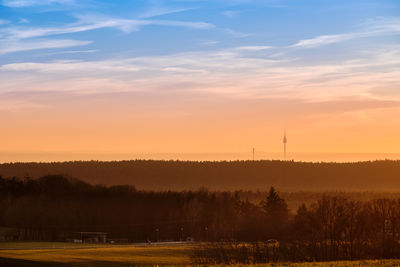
333	228
223	175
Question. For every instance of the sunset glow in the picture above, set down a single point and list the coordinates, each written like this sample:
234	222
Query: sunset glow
189	77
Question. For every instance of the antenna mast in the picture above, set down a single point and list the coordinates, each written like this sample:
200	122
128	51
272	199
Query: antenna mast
284	145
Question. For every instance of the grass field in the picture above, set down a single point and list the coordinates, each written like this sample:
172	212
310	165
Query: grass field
83	254
46	245
67	254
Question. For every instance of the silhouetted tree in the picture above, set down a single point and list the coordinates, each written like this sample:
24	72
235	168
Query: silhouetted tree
332	228
277	214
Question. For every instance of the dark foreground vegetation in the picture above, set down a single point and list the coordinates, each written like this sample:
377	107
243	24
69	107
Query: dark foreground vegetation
53	207
225	175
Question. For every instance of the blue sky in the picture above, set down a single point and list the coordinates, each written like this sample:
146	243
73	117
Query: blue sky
319	65
102	29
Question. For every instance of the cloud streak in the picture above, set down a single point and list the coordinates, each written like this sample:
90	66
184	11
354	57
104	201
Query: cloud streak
93	22
371	28
235	33
161	11
325	40
253	48
13	38
10	46
18	106
28	3
232	72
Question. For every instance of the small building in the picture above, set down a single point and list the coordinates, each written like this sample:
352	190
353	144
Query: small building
91	237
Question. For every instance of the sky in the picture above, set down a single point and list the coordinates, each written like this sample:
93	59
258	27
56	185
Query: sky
199	76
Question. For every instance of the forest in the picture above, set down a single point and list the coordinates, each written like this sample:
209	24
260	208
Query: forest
53	207
223	175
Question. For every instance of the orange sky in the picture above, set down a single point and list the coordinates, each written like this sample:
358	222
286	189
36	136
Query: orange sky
146	78
139	123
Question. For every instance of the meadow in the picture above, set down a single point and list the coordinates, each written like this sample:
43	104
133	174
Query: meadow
86	255
67	254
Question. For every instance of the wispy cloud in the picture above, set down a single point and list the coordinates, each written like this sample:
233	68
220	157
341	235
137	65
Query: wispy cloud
161	11
3	21
11	37
69	52
325	40
253	48
234	72
210	43
129	25
372	27
12	105
10	46
382	24
235	33
23	20
230	13
185	24
73	66
91	22
27	3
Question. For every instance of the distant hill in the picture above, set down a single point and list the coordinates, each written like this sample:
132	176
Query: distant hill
223	175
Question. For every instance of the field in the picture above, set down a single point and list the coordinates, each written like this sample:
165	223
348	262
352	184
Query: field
86	255
66	254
